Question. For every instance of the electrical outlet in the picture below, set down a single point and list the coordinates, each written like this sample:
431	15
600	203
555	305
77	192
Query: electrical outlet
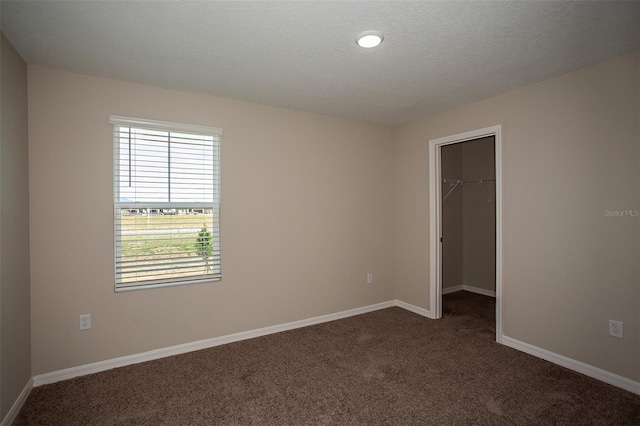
615	329
369	278
85	322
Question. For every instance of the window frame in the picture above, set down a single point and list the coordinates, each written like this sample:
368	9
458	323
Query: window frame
155	125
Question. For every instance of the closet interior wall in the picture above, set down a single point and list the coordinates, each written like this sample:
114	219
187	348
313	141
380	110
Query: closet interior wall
468	217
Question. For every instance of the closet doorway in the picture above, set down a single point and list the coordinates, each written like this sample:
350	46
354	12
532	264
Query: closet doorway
465	217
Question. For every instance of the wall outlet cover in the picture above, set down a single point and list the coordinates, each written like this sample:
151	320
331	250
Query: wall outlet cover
616	329
85	322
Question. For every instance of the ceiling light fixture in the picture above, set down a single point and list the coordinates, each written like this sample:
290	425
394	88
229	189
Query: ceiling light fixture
369	39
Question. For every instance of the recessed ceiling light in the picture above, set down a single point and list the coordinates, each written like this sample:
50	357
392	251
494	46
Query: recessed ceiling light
368	39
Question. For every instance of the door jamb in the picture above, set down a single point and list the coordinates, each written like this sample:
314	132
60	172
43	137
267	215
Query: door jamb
435	219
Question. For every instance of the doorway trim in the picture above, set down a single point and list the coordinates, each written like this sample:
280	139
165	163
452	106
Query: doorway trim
435	218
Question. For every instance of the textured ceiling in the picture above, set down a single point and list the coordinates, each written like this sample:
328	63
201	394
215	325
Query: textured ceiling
302	54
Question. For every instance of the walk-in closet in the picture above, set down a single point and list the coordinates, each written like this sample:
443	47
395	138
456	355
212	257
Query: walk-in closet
468	218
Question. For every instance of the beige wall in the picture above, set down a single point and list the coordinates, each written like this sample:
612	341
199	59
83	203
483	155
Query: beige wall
307	212
452	215
15	353
570	152
312	203
479	215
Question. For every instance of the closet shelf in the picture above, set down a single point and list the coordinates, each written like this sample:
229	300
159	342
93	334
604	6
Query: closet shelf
455	182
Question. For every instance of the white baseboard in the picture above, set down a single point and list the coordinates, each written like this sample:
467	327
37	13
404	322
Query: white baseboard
96	367
42	379
572	364
15	408
470	288
452	289
478	290
413	308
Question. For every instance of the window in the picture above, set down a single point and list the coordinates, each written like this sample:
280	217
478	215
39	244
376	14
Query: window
166	203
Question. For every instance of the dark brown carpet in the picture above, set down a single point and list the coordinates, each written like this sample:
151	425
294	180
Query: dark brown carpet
386	367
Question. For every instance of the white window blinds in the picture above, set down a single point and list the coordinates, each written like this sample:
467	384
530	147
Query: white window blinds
166	203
